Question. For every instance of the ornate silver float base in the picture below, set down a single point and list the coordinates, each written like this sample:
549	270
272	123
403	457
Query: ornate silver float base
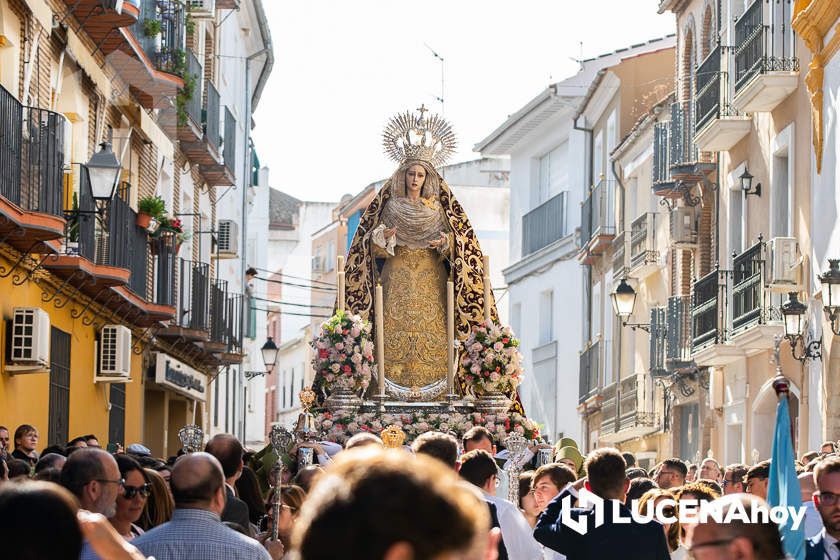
492	404
343	402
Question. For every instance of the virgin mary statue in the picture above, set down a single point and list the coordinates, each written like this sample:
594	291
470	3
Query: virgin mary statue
413	238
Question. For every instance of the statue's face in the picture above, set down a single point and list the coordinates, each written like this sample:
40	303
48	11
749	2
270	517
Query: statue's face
415	176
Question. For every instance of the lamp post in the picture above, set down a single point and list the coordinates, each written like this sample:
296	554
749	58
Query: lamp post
793	312
830	281
269	355
103	171
624	301
746	183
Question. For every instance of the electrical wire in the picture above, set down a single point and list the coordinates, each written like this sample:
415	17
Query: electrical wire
293	284
291	313
289	303
294	277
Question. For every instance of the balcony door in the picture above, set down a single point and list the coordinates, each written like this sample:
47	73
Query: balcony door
59	417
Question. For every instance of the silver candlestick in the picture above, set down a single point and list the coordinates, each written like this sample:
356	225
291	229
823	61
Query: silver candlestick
191	437
281	440
516	446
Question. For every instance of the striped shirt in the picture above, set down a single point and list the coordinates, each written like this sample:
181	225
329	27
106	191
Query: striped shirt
198	534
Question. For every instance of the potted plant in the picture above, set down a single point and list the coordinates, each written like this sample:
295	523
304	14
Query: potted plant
149	207
151	28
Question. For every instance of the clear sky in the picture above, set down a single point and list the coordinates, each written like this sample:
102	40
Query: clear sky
343	67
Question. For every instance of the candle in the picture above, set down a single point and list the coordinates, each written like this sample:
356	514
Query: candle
380	340
194	406
450	337
340	281
487	289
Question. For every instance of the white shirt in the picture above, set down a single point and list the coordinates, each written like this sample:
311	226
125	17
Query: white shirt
517	534
830	546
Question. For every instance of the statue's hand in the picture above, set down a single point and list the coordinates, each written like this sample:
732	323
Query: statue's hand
439	241
389	232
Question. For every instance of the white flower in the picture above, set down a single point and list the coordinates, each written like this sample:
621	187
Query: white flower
335	368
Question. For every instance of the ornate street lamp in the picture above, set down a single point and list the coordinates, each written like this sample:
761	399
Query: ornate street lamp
103	171
746	183
624	301
269	355
793	312
831	294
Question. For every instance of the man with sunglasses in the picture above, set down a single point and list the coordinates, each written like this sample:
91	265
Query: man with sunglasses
733	479
827	500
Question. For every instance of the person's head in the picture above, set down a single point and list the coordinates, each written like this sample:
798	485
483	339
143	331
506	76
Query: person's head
808	457
569	456
710	469
698	491
807	486
159	504
479	468
417	175
443	447
26	438
363	439
736	539
93	477
756	479
18	468
51	474
527	503
827	495
4	439
691	475
606	474
636	472
672	473
478	437
77	442
306	477
229	452
248	490
404	509
548	481
638	487
198	482
50	461
91	440
38	522
291	498
828	447
629	458
136	490
733	478
651	500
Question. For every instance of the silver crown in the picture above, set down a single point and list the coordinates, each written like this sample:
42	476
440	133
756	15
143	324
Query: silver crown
408	136
191	437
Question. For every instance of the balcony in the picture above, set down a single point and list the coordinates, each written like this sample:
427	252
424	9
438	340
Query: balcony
678	333
95	15
755	320
619	255
644	256
766	72
221	174
192	321
677	165
590	361
718	126
597	221
31	175
205	148
545	224
190	127
709	321
662	182
627	410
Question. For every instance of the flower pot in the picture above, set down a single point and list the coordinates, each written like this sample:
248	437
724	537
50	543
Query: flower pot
143	220
492	403
343	402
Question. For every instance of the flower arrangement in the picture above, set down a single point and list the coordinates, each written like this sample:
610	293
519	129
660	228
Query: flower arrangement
490	361
169	223
339	428
344	353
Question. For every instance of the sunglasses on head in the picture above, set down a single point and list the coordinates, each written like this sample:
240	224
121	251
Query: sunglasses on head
130	491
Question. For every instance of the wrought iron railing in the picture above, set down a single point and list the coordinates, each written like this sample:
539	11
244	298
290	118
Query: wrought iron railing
166	261
708	309
218	310
237	304
211	117
545	224
710	83
193	105
678	341
643	240
754	52
609	409
166	48
598	212
31	156
229	146
589	371
194	295
748	287
683	150
661	153
619	255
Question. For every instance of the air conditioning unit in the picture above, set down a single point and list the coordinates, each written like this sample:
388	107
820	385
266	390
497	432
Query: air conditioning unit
683	226
317	264
200	9
30	339
783	271
228	238
115	351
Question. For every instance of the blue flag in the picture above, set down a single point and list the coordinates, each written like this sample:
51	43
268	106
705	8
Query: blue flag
783	486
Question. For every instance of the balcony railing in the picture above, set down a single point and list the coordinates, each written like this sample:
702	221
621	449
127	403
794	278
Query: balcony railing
643	241
678	342
589	371
31	156
619	253
754	52
166	49
708	309
609	409
229	146
661	153
711	82
218	310
748	287
166	262
193	105
545	224
211	116
598	212
682	149
194	295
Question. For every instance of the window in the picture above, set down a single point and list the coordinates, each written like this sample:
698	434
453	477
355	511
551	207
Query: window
546	317
596	310
330	264
292	389
597	158
283	383
59	414
554	175
116	416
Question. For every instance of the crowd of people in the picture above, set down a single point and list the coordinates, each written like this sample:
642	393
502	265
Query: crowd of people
442	498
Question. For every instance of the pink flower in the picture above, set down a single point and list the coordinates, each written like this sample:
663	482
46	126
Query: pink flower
498	347
339	346
355	331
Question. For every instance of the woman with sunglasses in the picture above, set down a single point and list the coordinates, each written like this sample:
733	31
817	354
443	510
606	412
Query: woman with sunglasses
647	507
292	498
132	499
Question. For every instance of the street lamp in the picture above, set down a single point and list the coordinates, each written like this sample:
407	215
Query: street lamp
831	294
624	301
103	171
793	312
746	183
269	355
